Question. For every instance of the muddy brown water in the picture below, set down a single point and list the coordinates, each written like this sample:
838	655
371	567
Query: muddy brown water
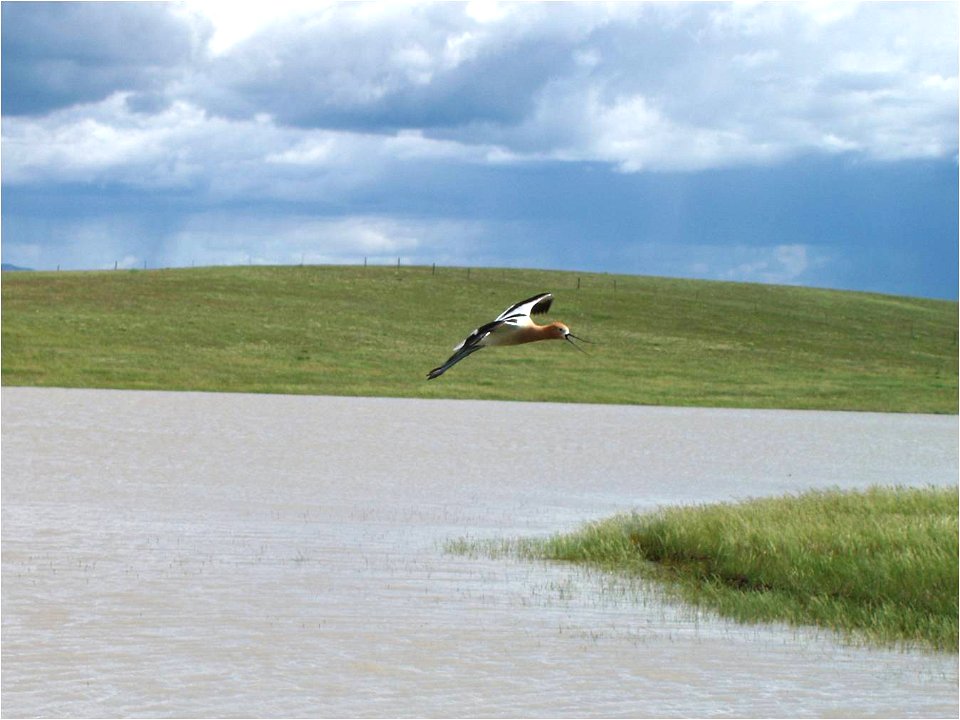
179	554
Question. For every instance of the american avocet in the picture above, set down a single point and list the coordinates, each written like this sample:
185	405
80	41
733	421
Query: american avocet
512	327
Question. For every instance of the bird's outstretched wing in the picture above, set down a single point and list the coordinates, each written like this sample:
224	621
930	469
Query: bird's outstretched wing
477	336
453	360
468	346
525	308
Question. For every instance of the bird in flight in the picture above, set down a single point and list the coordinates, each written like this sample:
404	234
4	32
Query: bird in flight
512	327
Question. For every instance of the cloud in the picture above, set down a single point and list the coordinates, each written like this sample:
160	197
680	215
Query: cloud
183	147
244	236
106	142
780	264
384	67
218	238
661	87
90	241
783	264
696	87
633	134
60	54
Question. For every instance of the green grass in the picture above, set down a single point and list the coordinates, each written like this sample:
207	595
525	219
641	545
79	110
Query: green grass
879	565
377	331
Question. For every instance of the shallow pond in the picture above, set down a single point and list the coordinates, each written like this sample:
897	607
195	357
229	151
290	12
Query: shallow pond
179	554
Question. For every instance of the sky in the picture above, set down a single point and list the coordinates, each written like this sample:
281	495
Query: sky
810	144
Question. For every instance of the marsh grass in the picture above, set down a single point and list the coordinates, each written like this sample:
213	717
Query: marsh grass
377	331
878	565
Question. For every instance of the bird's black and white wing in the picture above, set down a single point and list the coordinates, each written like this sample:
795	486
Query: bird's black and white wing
469	345
478	335
535	305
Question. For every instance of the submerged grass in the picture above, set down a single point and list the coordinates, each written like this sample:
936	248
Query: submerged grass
880	565
377	331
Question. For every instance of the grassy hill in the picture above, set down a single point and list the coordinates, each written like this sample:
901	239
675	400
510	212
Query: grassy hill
378	330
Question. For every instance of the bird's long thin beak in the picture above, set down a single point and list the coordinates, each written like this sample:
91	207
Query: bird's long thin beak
570	337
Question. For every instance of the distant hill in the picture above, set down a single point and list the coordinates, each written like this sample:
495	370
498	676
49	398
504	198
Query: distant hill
377	331
8	267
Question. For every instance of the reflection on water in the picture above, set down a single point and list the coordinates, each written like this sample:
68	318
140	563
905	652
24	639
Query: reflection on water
170	554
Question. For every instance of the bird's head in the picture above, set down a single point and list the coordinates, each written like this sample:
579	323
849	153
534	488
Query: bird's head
562	332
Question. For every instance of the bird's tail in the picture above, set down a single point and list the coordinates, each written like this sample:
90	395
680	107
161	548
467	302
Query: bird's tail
454	359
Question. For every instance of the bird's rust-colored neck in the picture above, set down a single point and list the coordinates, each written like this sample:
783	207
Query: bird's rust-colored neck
533	333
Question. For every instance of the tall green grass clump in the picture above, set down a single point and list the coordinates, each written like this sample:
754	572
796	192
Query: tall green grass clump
879	564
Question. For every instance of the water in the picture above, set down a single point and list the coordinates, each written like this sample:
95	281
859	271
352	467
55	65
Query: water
172	554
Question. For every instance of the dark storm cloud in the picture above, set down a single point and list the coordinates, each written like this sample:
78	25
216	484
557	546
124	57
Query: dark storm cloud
60	54
384	73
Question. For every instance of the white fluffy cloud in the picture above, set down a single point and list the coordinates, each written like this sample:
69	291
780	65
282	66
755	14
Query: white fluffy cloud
106	142
183	148
686	88
643	87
